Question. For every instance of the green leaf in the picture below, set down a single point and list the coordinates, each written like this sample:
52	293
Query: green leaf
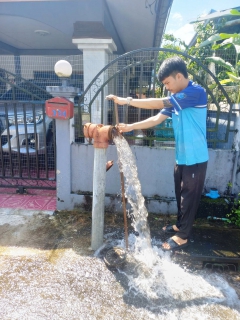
231	41
212	86
216	46
236	40
235	12
233	77
228	35
218	37
221	62
226	45
213	38
225	81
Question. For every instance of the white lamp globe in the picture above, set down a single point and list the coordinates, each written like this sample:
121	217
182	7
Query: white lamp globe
63	69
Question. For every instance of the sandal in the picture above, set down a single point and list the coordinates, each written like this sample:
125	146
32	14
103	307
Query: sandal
169	229
174	246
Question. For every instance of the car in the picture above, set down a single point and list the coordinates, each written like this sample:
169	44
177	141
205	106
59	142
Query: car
24	126
26	130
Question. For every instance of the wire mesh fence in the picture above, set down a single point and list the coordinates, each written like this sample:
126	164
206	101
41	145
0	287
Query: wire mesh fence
135	75
24	78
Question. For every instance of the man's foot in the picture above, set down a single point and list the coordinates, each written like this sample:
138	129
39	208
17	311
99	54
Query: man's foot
170	229
174	243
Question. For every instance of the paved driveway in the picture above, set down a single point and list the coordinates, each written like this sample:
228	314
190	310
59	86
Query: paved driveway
48	272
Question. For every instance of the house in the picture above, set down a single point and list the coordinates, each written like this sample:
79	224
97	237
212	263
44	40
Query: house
74	27
93	35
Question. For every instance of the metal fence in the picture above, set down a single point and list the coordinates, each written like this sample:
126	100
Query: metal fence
25	78
134	74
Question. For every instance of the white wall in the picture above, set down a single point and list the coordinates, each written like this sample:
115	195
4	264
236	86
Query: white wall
155	172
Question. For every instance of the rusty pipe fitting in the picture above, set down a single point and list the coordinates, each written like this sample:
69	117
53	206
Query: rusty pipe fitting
100	133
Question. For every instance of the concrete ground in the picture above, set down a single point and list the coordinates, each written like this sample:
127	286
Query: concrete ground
47	271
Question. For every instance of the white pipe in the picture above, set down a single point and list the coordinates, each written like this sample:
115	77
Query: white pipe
234	172
216	218
99	184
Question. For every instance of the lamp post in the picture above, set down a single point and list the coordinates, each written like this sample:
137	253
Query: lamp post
63	70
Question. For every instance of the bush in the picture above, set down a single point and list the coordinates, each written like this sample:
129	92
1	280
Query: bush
234	215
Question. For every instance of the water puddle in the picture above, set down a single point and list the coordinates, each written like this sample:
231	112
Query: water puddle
162	285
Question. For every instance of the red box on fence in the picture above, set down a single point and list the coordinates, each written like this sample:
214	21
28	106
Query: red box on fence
59	108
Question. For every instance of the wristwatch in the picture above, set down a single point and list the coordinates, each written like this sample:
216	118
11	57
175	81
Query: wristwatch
129	99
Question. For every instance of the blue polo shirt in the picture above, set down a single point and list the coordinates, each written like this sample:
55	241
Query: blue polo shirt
189	112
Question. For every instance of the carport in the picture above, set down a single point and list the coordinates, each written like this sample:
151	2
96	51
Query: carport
34	36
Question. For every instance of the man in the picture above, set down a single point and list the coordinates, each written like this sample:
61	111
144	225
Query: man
187	106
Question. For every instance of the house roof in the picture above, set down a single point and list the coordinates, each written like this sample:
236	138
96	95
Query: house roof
48	27
230	26
215	14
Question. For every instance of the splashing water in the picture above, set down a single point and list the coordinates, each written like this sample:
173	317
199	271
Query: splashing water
151	274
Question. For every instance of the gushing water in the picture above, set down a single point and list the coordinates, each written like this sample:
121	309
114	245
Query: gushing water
139	214
152	276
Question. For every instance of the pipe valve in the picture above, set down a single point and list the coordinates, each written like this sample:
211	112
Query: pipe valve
100	133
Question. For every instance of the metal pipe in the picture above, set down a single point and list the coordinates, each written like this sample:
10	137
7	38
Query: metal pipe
101	135
99	184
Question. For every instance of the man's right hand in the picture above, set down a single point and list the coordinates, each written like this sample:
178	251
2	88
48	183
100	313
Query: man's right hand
123	127
116	99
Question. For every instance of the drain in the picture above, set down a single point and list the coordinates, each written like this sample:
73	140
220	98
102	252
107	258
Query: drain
220	266
115	257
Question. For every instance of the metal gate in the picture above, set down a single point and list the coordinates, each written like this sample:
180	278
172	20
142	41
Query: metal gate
27	152
135	74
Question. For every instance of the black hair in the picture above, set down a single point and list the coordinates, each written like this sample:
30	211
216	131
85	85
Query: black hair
172	66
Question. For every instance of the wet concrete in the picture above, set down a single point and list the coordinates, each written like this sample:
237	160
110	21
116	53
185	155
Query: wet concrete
47	270
211	242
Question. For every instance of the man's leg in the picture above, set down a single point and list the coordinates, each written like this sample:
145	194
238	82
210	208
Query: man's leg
177	182
178	186
192	183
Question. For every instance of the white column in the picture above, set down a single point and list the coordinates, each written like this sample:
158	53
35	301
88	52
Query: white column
95	58
64	139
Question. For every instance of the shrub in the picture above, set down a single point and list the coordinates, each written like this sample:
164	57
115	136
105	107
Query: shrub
234	215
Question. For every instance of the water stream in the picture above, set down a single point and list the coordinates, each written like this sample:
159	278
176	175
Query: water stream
162	285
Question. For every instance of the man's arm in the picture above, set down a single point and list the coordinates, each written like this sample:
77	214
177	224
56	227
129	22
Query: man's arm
145	124
150	103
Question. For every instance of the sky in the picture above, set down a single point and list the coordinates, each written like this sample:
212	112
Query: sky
183	12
